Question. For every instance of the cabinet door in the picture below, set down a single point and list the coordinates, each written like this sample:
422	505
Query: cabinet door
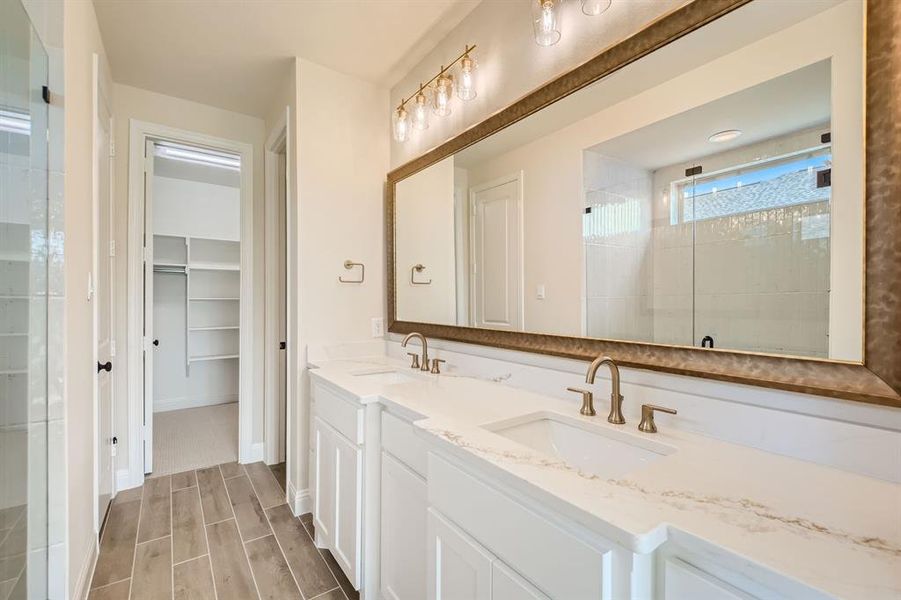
684	581
346	536
404	537
507	585
459	568
324	476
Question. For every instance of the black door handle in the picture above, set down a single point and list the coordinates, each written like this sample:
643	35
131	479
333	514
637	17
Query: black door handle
156	342
282	345
105	367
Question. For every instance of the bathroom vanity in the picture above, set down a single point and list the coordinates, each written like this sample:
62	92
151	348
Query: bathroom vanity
709	198
446	486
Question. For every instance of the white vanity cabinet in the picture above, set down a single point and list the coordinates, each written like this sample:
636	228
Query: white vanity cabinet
403	511
337	473
500	545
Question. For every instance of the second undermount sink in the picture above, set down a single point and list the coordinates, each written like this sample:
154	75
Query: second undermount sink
592	449
384	376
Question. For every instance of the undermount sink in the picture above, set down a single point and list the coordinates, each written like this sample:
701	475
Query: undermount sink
592	449
384	376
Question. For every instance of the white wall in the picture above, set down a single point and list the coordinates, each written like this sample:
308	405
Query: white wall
134	103
424	206
341	140
197	208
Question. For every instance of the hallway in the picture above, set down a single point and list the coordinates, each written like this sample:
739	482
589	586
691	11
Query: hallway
222	532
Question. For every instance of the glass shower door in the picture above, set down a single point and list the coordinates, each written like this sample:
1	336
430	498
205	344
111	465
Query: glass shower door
23	307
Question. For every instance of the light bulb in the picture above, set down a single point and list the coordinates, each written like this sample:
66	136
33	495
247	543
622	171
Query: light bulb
544	21
466	88
443	95
401	124
593	8
421	111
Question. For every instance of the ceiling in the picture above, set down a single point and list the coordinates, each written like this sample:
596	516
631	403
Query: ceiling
803	98
235	54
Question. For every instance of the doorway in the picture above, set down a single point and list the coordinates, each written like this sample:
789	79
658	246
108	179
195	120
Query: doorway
191	320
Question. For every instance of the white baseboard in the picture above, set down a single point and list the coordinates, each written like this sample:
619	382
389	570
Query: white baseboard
86	572
124	481
301	500
168	404
256	453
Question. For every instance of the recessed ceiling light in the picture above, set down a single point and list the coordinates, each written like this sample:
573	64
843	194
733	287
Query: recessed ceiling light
724	136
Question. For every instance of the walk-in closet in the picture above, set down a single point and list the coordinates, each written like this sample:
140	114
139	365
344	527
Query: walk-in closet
195	296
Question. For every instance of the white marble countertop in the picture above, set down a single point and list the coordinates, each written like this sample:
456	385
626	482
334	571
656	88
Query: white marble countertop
834	531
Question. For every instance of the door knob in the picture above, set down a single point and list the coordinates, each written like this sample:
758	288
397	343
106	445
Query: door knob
108	366
156	342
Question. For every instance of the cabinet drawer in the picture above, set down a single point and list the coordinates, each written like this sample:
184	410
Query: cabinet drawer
560	564
343	415
399	439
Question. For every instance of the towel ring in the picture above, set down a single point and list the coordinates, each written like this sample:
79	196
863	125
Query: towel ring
418	268
349	264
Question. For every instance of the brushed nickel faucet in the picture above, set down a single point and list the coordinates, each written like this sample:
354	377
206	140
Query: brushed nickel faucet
424	364
616	399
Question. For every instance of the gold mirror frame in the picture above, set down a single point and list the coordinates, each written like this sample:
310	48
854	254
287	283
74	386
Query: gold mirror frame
878	379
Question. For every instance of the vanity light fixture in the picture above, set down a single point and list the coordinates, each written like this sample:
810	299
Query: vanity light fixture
421	110
466	88
440	95
401	123
593	8
546	21
724	136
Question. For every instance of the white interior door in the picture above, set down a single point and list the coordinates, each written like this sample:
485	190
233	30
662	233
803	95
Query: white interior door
282	396
103	313
148	306
496	226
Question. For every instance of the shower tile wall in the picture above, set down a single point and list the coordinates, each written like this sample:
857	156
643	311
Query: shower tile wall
759	280
617	236
756	281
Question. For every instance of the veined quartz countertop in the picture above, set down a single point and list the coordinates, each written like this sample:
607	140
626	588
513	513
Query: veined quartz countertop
834	531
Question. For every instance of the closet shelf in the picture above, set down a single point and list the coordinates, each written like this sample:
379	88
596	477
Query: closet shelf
214	328
200	266
5	297
213	299
212	357
14	372
11	334
20	257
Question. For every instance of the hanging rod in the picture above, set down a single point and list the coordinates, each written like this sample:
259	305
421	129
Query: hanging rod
167	269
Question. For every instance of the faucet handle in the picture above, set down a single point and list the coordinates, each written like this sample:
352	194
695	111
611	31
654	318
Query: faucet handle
436	364
587	401
414	364
647	417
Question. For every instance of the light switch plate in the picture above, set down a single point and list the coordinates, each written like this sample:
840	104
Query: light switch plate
539	291
378	327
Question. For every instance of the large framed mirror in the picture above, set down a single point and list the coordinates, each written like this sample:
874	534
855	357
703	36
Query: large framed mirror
718	195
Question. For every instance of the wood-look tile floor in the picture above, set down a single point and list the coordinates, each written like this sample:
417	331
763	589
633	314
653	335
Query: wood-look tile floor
218	533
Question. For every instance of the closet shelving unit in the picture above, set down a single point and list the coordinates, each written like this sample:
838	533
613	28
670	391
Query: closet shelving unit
212	271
